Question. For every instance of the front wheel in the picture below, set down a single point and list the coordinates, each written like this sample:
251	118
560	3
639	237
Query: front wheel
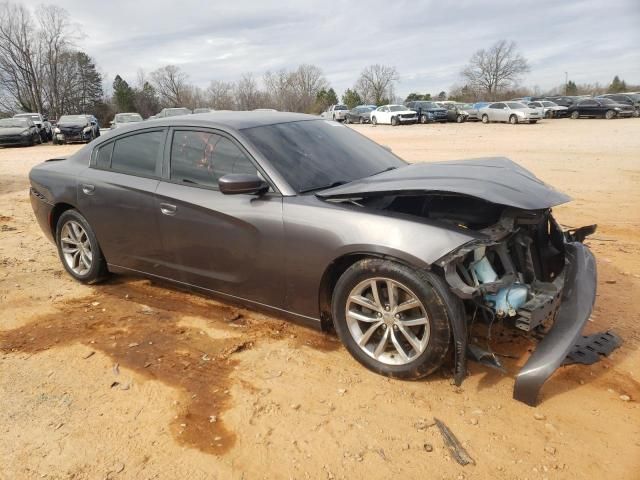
610	114
394	121
513	119
393	319
575	115
346	120
374	120
424	119
78	248
361	120
485	118
460	119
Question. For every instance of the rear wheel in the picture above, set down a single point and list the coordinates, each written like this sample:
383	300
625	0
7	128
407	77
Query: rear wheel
347	120
361	120
460	118
424	119
78	248
393	319
513	119
610	114
485	118
575	115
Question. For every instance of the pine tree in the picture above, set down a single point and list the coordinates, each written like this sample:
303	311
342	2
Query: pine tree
351	98
123	95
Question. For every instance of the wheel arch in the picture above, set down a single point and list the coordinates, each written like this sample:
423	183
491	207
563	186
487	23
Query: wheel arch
334	271
56	213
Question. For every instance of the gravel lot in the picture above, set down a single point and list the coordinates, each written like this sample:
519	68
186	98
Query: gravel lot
134	380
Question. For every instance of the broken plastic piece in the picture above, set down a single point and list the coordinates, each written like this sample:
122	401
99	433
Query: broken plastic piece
588	348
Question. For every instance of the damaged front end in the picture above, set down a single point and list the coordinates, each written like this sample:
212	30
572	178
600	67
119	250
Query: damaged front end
529	274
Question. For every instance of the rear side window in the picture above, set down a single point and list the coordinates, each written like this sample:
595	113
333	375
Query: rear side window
201	158
137	154
103	158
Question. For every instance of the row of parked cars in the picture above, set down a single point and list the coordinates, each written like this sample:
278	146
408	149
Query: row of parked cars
26	129
518	110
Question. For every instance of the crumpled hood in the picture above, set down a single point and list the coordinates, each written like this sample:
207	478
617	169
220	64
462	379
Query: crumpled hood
496	180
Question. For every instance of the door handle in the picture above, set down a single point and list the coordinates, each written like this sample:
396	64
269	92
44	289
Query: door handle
88	189
168	209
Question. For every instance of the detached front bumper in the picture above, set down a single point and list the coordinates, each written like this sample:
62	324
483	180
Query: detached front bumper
578	297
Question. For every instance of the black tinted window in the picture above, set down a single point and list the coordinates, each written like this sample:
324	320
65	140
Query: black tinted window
201	158
103	158
137	154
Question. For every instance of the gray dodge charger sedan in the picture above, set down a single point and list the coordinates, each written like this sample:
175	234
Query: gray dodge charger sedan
308	219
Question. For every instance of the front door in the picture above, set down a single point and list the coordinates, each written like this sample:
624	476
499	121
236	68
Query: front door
226	243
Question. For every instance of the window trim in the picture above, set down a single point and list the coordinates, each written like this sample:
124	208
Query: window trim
166	161
159	159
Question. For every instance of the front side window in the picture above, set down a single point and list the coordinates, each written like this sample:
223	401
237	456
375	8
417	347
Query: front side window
202	158
138	154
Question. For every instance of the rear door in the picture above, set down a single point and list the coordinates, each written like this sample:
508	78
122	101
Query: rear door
226	243
116	195
497	112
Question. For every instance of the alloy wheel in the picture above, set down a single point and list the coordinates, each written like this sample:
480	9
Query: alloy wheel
387	321
76	248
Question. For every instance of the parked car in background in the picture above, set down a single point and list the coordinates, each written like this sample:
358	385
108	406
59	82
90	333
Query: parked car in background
474	110
359	114
269	218
456	112
122	119
428	112
75	128
563	100
512	112
202	110
173	112
336	112
549	109
19	132
600	108
632	99
41	123
393	115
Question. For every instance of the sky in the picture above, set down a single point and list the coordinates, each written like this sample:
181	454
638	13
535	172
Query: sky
428	42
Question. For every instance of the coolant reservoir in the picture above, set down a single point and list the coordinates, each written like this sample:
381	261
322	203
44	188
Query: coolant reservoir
507	300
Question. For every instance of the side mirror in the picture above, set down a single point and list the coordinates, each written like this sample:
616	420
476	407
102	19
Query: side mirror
236	183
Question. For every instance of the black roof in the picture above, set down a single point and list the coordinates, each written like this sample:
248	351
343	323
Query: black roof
231	119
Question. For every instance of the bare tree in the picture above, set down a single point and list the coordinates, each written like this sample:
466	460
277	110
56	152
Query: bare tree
495	69
20	66
247	94
220	95
308	81
171	85
377	84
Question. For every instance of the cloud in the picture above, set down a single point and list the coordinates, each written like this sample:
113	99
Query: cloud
428	42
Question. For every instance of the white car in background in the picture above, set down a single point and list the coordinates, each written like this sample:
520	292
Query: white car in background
549	109
336	112
393	115
512	112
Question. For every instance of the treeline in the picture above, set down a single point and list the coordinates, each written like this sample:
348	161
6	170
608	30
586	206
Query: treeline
41	70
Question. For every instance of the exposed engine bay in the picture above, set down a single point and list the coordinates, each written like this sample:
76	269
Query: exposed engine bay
519	270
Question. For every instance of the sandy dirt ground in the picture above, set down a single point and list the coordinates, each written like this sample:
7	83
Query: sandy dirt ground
130	379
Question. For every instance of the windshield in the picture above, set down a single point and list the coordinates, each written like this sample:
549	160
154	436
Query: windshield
14	123
80	119
340	107
516	105
174	112
397	108
464	106
549	104
128	118
315	154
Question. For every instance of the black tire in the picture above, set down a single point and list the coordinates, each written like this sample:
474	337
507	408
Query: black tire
485	118
347	120
532	122
460	118
609	114
575	115
424	119
440	304
361	120
513	120
98	270
394	121
374	121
